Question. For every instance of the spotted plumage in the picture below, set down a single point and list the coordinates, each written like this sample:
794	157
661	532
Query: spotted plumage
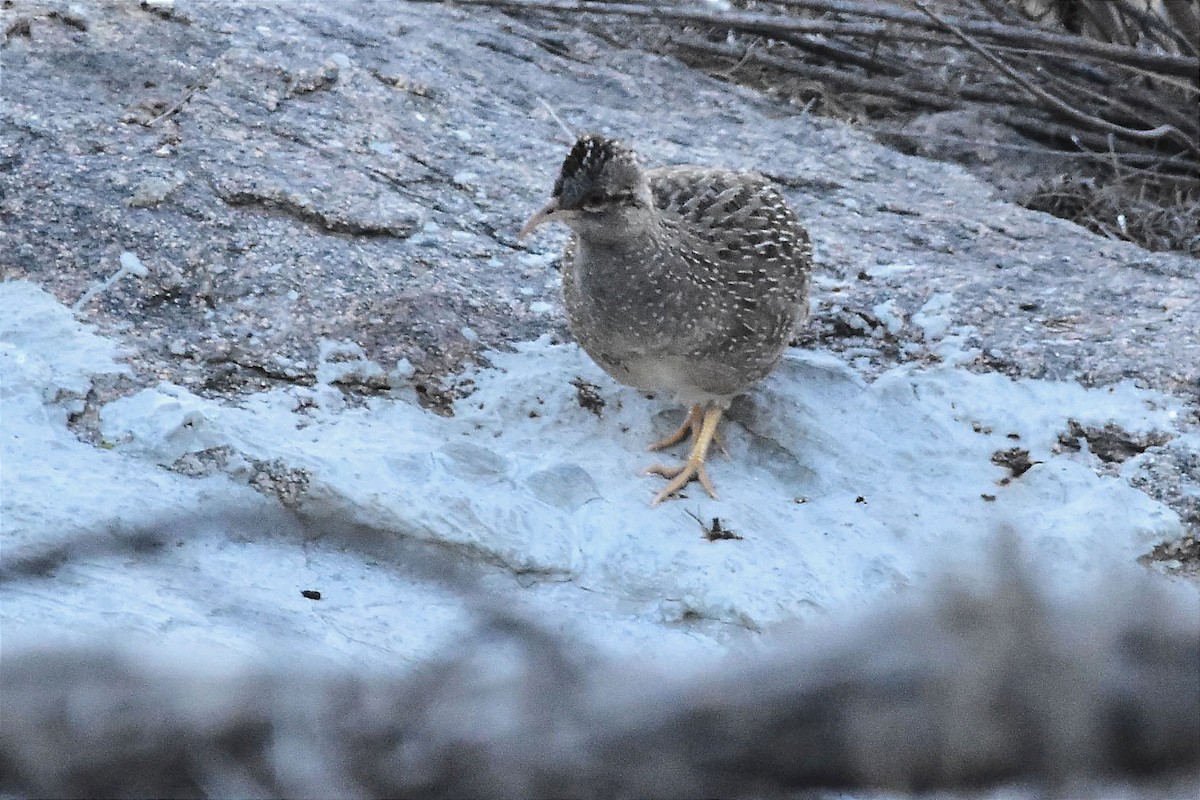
682	279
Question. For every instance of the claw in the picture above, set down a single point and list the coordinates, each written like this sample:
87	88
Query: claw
681	476
693	468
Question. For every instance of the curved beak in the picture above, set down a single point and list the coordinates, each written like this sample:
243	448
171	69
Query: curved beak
547	213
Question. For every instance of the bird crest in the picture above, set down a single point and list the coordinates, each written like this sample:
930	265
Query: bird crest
592	158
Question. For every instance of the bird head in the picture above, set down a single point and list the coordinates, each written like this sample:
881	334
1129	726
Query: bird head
601	192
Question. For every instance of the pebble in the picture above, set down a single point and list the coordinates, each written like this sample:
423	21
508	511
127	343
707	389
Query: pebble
564	486
153	190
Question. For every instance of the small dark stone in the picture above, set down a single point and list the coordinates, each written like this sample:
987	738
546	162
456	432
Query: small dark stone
311	594
588	396
1016	460
1110	443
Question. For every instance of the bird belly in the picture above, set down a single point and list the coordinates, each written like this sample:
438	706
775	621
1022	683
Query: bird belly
689	381
656	333
649	365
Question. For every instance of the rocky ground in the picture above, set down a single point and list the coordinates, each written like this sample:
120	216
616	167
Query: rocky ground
294	227
355	175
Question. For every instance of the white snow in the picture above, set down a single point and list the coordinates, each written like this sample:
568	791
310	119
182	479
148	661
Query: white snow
844	493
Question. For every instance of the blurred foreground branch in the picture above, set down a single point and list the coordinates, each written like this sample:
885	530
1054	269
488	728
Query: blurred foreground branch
966	690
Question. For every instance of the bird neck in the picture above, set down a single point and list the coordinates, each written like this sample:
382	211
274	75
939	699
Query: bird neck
625	252
619	276
626	237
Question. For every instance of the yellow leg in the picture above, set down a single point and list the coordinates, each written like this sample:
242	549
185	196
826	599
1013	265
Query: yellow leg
689	428
693	468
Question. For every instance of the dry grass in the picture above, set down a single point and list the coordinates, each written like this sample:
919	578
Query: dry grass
1135	210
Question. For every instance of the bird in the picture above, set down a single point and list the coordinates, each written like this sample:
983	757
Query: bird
687	280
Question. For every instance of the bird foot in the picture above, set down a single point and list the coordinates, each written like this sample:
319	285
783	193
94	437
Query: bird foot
693	468
689	429
681	476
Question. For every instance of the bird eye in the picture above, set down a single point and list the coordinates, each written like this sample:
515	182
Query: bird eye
599	202
595	202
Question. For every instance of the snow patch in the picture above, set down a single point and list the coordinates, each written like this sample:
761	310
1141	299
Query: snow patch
842	492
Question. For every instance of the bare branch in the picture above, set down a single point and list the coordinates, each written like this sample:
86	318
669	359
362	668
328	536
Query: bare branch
777	24
881	87
1159	132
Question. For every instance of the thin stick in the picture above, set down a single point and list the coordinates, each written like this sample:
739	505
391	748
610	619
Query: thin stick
749	49
571	135
1128	160
858	83
171	109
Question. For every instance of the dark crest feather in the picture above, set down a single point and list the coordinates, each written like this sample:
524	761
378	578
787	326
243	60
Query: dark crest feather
585	162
